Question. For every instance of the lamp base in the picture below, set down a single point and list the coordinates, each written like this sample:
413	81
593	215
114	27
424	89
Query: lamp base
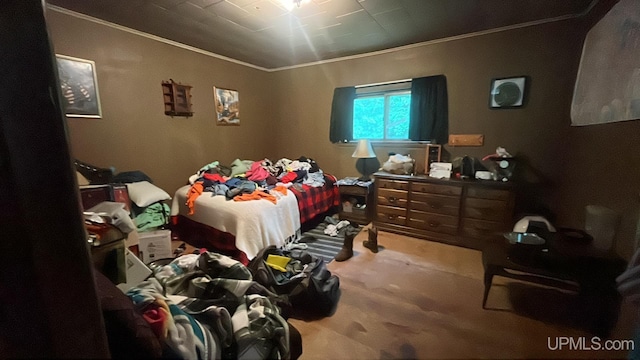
366	167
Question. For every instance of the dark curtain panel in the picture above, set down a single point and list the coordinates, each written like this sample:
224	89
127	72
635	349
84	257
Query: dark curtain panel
429	116
341	128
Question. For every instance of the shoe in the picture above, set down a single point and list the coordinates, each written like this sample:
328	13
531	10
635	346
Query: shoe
347	247
372	243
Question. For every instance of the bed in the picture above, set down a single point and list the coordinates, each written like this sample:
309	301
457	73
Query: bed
240	229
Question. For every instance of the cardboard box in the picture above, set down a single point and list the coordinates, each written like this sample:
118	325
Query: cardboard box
154	245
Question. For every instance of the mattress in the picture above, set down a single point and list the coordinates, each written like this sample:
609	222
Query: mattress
255	224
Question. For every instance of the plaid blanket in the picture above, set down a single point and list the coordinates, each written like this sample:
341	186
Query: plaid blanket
316	200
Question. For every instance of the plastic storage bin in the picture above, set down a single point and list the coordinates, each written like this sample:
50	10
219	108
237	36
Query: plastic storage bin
601	223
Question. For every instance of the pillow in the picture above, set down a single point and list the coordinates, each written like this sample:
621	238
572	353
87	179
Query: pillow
144	193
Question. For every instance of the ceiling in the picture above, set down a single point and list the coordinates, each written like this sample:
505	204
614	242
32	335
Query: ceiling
264	34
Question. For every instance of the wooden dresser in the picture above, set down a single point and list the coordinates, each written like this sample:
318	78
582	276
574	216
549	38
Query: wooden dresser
459	212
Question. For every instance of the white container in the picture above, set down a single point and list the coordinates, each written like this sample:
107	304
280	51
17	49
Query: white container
154	245
601	223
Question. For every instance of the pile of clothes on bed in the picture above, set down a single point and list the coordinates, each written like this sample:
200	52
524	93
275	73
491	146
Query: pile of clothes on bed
254	180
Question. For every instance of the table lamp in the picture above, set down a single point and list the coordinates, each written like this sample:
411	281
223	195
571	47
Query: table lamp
367	162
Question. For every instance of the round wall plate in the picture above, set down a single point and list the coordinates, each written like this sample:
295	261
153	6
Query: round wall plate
507	92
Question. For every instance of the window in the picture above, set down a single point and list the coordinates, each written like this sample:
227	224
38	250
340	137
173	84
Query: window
381	112
408	110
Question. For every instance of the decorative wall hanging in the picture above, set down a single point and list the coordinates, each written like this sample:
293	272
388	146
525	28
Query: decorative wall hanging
507	93
466	140
608	82
177	98
79	87
227	103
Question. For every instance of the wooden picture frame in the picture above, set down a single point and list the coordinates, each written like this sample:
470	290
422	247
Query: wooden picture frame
227	103
79	87
508	93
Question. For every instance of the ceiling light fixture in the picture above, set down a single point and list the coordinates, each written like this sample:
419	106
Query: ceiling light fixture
291	4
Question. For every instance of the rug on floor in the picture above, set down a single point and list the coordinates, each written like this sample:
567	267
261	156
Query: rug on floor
322	245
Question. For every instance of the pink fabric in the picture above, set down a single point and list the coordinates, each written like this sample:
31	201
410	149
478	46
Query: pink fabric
257	172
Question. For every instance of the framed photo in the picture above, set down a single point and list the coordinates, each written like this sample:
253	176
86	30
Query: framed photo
508	93
227	103
79	87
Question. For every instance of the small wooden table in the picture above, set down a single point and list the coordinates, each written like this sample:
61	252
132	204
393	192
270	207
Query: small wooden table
563	264
356	203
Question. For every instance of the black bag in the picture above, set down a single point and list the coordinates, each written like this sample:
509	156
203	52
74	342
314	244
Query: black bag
311	289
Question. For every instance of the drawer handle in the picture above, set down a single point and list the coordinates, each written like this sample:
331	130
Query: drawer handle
393	199
435	205
434	224
392	217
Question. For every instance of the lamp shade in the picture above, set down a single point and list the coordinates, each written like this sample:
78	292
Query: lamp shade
364	150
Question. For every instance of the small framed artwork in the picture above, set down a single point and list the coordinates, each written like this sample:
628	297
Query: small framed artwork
508	93
227	104
79	86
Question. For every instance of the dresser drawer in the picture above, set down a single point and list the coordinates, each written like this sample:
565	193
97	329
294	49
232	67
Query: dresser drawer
392	184
420	187
492	194
391	215
433	203
483	209
433	222
392	197
481	229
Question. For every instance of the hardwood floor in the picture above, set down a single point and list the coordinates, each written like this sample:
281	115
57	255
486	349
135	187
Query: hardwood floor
417	299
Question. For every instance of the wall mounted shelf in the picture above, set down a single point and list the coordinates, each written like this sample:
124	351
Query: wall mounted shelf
177	99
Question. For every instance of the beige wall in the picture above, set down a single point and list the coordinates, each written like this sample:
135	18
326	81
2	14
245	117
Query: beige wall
469	65
134	133
286	113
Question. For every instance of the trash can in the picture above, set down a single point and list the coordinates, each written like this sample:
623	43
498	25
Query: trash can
602	224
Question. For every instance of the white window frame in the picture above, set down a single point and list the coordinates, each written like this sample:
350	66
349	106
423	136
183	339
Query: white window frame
400	87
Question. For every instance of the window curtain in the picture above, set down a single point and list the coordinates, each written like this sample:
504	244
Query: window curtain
429	113
341	128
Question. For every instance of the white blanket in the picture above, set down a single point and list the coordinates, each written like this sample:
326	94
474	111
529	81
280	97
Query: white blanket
256	224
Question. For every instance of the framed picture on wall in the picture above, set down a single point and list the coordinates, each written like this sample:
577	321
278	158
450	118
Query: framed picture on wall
508	93
227	104
79	87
